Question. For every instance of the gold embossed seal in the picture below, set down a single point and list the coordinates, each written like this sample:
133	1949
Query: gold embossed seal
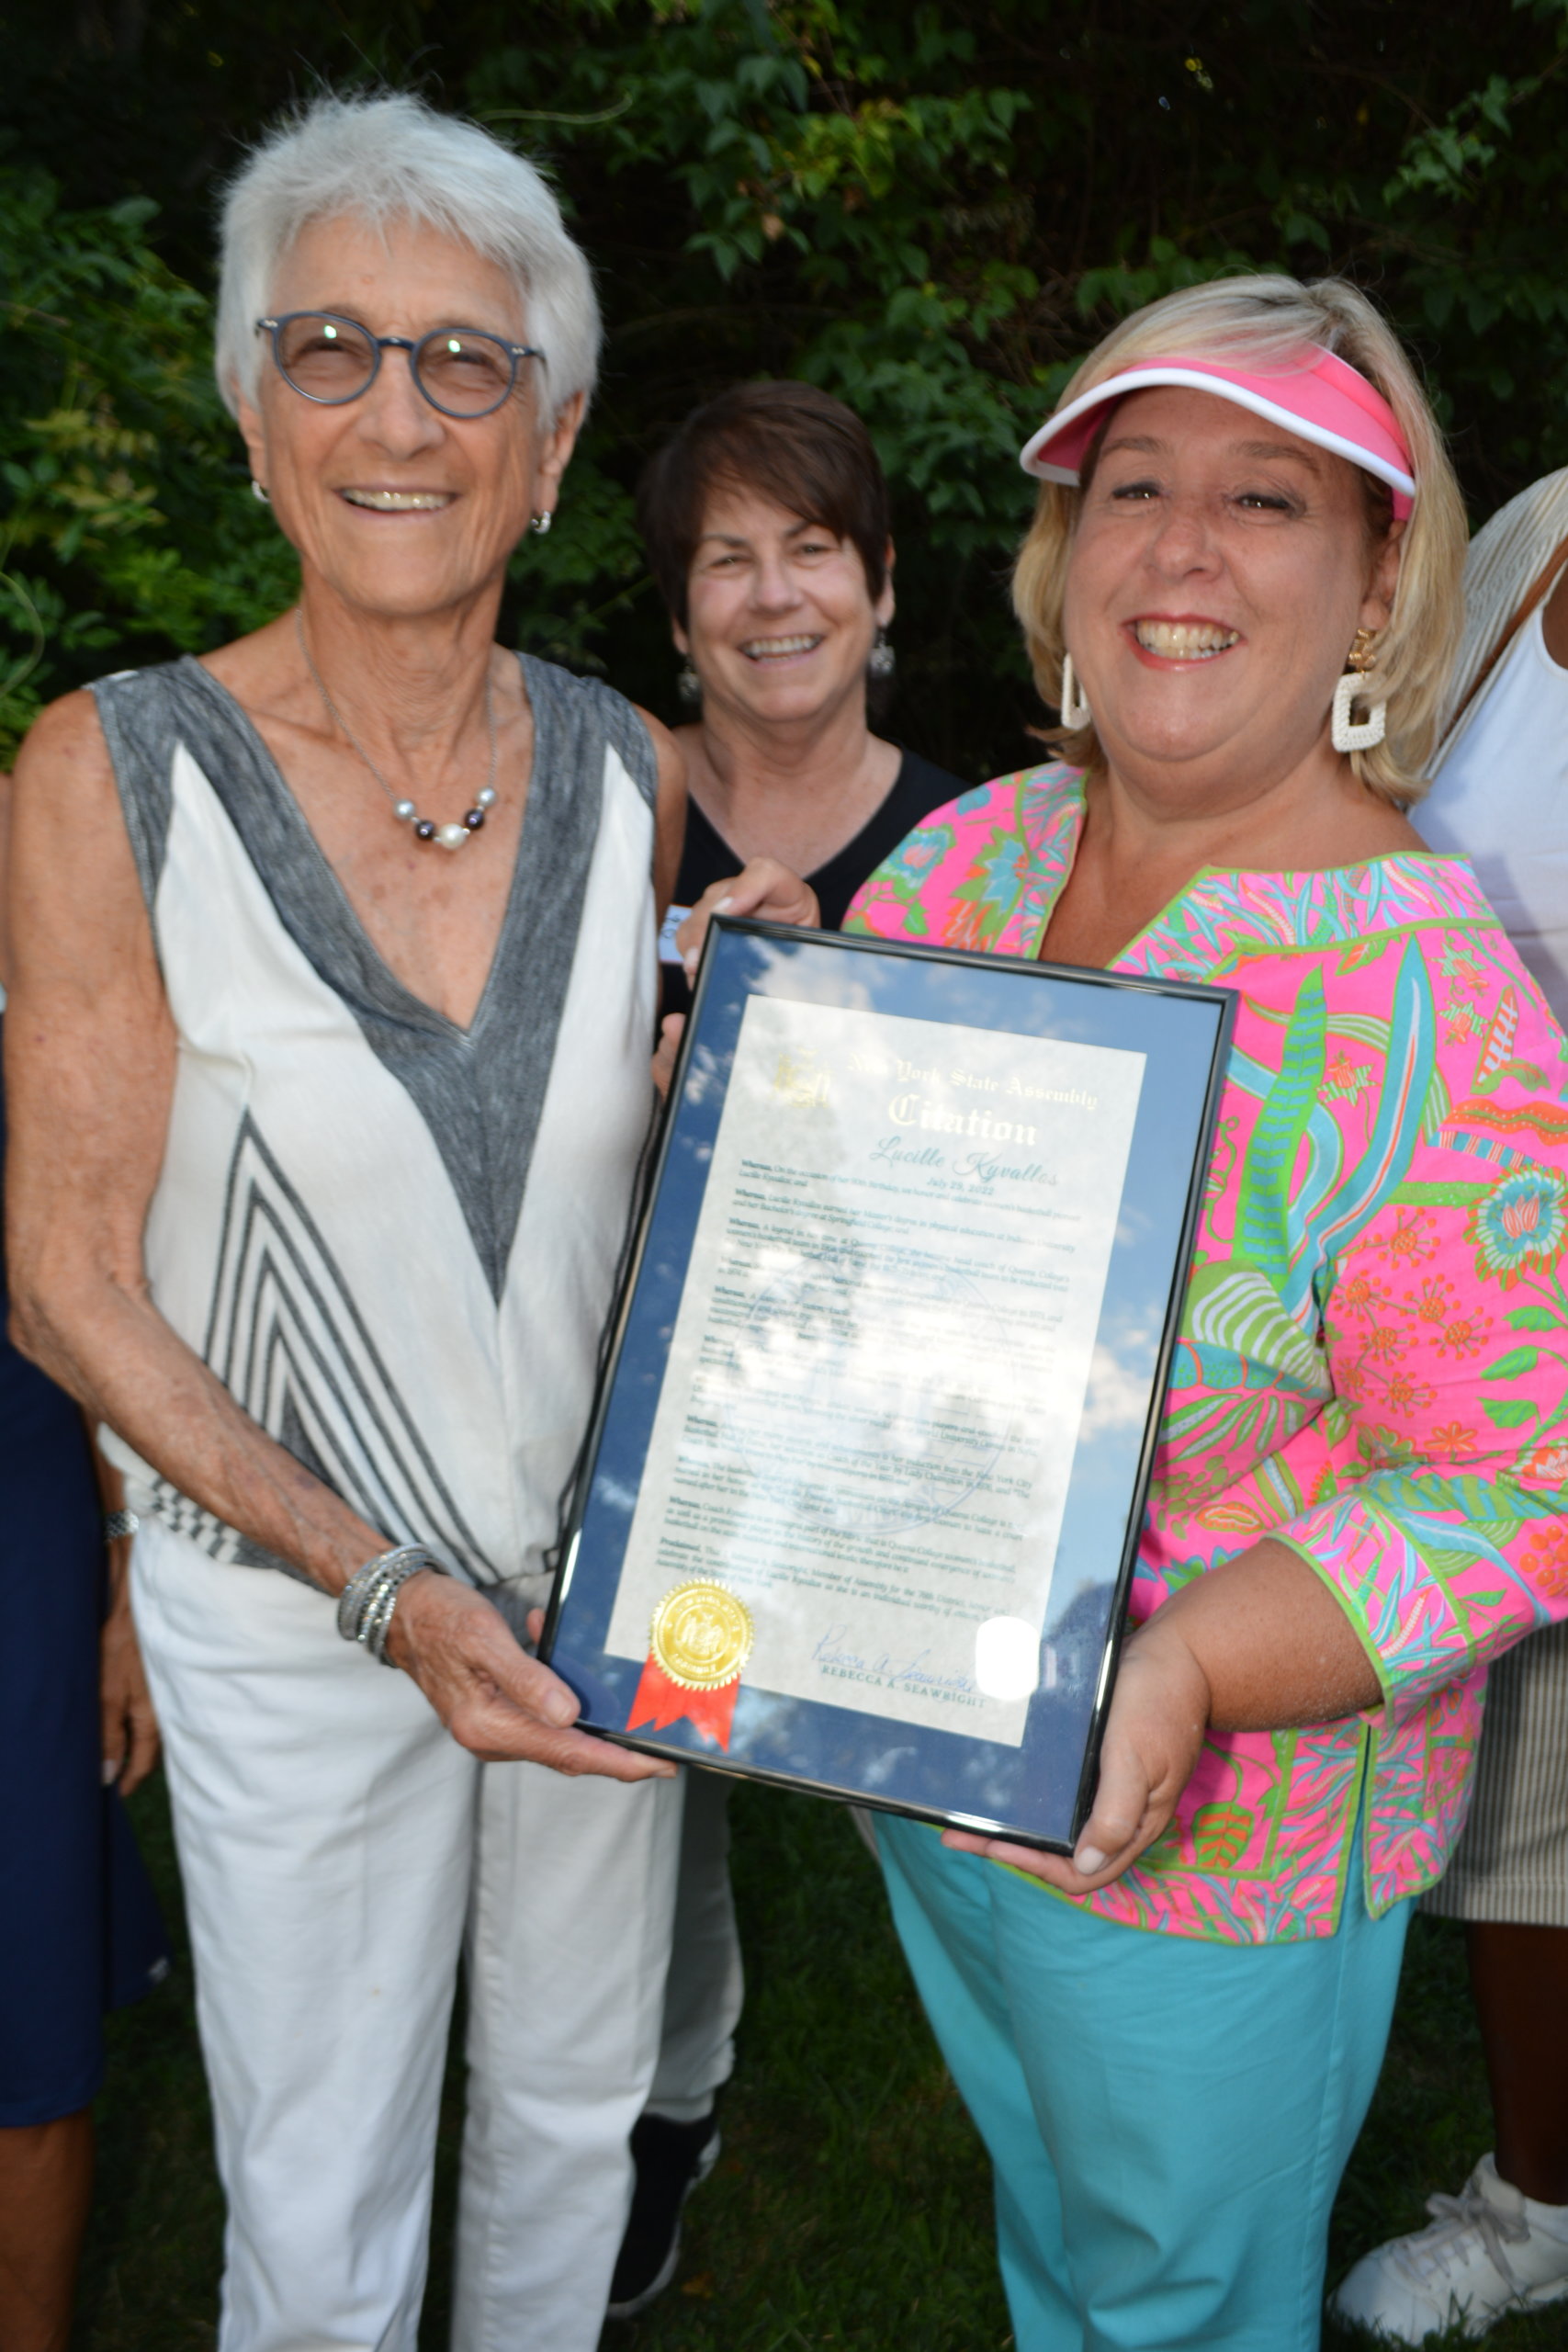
702	1635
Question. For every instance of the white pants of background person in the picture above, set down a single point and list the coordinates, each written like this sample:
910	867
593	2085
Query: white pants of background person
706	1983
338	1850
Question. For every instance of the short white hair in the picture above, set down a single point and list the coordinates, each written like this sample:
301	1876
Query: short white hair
393	158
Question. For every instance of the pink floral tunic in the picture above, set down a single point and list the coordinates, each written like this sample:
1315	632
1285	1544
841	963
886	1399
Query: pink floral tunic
1373	1364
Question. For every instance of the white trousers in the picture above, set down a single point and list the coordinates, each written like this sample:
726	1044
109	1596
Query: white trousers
338	1850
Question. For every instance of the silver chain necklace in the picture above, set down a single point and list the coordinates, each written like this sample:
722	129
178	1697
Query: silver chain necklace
424	828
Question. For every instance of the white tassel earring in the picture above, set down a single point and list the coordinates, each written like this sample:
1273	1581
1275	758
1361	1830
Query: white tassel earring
1075	712
1349	735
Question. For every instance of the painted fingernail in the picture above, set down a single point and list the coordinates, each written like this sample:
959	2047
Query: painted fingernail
1088	1859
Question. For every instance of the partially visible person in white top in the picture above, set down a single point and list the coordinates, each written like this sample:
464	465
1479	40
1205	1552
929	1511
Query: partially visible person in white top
1500	797
1500	793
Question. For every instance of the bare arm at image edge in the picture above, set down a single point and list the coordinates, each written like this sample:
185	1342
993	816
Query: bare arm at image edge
89	1079
1555	622
129	1720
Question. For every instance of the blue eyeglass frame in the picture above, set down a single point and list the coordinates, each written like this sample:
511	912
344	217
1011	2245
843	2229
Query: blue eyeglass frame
272	328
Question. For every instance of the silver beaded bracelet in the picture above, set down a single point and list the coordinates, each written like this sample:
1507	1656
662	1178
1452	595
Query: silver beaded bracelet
365	1604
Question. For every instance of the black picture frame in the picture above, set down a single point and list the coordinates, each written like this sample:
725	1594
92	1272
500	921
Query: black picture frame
1036	1788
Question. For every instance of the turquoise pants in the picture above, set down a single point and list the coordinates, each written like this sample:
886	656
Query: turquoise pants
1168	2118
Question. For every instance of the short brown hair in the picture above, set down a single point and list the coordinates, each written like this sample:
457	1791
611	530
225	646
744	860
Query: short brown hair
797	445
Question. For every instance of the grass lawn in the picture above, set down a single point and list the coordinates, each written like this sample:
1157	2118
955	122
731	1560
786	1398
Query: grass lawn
852	2206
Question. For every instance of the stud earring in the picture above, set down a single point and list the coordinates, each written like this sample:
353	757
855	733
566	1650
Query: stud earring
881	662
688	685
541	523
1075	710
259	490
1348	733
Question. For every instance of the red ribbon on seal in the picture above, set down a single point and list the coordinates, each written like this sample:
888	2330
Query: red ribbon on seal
660	1702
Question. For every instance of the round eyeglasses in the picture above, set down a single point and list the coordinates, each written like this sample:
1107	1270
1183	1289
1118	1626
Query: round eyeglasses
460	370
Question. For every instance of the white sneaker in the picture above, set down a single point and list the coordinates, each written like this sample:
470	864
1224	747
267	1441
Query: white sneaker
1489	2250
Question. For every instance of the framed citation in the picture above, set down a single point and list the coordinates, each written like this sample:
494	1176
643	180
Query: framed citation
861	1501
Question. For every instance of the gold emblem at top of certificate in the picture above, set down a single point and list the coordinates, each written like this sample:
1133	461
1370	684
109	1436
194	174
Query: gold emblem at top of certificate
702	1635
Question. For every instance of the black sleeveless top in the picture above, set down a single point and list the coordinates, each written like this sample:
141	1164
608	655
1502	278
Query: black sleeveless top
918	788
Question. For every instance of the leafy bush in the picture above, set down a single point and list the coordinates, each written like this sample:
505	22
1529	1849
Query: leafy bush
931	210
126	531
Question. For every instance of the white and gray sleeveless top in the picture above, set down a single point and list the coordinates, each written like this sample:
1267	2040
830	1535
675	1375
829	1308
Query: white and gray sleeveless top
395	1241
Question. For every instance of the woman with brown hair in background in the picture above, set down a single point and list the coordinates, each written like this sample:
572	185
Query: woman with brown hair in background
768	527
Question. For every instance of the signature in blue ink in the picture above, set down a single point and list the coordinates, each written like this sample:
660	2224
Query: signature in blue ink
911	1673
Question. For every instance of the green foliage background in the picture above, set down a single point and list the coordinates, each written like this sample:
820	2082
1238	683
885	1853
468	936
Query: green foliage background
932	210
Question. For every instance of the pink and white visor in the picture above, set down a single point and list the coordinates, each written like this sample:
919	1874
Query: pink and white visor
1325	399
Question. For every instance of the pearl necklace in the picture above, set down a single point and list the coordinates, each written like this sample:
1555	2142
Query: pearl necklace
424	828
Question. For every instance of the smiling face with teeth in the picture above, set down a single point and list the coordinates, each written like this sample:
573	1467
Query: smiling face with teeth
779	617
397	509
1220	570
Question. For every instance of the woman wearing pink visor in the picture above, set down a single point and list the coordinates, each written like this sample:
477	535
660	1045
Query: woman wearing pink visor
1241	592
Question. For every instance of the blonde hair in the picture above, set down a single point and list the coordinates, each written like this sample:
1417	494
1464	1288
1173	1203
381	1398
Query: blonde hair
1264	322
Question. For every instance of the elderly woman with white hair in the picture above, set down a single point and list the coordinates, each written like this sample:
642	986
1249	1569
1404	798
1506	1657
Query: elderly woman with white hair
1242	591
328	1058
